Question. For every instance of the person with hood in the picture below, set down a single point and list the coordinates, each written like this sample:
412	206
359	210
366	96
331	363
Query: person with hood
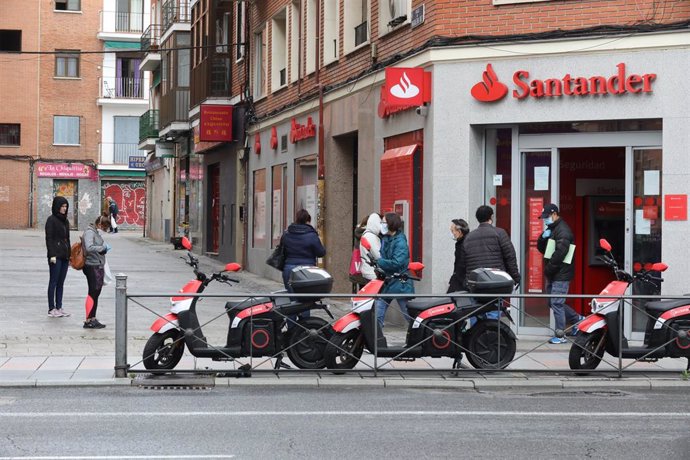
95	249
372	234
59	247
302	246
395	258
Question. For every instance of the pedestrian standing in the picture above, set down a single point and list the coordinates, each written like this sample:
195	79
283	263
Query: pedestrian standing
113	211
372	234
302	246
556	243
458	230
95	249
58	246
488	247
395	258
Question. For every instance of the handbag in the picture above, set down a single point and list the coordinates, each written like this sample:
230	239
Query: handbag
356	276
277	258
77	258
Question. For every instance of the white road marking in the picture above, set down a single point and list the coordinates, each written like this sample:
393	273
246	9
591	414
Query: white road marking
343	413
117	457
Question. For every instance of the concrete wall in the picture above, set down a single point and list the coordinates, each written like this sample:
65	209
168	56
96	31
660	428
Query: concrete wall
89	207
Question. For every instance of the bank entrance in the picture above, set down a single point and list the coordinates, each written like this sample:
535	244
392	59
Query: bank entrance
606	184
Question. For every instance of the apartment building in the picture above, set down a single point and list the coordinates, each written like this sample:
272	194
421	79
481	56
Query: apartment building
429	109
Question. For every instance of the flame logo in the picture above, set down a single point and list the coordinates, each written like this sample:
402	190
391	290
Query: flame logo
489	89
405	89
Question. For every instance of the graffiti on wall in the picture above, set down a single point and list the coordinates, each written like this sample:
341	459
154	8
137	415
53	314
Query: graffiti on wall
130	198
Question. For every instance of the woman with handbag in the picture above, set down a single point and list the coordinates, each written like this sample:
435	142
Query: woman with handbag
95	249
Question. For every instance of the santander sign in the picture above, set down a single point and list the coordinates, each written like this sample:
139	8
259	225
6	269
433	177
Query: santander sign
490	89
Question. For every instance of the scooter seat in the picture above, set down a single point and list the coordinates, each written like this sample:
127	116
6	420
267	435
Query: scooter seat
415	307
247	303
665	305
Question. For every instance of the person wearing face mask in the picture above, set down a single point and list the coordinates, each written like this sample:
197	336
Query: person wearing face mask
559	269
372	236
395	258
458	230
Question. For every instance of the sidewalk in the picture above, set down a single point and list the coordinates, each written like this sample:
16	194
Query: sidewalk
38	350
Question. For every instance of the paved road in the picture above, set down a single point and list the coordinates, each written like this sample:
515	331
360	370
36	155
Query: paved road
255	422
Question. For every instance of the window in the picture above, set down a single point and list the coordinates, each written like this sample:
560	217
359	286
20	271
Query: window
10	40
67	5
260	64
310	37
126	139
259	222
279	50
295	40
65	130
279	210
393	13
183	59
240	25
330	31
66	64
9	134
305	185
356	24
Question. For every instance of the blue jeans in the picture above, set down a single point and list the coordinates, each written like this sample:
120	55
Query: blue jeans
382	306
58	273
561	311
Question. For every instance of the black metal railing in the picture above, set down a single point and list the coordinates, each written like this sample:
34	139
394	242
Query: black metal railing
175	11
149	125
150	39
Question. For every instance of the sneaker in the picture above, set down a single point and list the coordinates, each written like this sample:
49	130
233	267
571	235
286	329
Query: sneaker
54	313
556	340
93	324
63	312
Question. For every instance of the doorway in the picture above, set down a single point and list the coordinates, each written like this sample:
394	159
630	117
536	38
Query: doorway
214	220
69	189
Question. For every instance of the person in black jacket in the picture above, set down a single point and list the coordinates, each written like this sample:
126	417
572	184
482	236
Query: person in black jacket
488	247
458	230
58	245
113	211
559	269
302	246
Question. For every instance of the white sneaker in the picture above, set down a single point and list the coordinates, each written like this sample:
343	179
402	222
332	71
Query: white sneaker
63	312
55	313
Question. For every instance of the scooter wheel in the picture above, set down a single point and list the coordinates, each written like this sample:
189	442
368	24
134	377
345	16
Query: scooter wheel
344	350
305	349
587	350
486	349
164	351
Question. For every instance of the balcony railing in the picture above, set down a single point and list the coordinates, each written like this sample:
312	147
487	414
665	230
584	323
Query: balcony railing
122	88
175	11
150	39
361	33
149	125
211	78
123	21
119	153
174	106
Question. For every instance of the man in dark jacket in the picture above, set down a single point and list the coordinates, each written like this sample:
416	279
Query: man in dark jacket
488	247
556	243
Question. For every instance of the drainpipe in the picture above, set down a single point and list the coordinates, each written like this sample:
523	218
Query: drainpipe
321	171
31	193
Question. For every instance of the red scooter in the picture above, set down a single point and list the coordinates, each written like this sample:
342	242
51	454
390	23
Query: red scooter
666	334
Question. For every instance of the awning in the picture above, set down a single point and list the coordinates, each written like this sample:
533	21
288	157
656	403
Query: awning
120	173
123	45
399	152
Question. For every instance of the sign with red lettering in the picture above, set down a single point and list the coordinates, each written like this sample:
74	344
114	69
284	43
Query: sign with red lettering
66	171
300	132
405	88
215	124
536	225
491	89
199	146
535	273
676	207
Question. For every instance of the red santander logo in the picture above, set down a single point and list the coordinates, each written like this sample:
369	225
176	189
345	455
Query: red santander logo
489	89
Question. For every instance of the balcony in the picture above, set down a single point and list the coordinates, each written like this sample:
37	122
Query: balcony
123	90
120	154
174	111
148	130
150	44
122	25
211	78
176	12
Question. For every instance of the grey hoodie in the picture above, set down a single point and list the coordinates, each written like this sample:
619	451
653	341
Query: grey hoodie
94	246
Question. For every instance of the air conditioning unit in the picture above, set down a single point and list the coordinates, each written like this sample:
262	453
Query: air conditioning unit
398	10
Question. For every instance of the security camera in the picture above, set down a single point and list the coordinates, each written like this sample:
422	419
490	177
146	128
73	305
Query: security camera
422	110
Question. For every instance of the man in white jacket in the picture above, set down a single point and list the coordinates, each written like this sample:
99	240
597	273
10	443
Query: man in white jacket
373	236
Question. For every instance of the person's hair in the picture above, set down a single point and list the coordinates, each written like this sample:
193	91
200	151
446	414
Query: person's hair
461	226
302	217
103	222
484	213
363	222
394	221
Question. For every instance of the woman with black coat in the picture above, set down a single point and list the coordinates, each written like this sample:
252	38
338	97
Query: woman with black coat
58	246
458	230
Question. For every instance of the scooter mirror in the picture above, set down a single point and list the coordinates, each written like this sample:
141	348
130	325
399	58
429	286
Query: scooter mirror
186	243
416	266
365	243
233	267
659	267
605	245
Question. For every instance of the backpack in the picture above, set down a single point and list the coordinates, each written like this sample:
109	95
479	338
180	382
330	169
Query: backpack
77	258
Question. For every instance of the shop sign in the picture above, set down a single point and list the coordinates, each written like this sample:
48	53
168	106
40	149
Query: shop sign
300	132
199	145
676	207
405	88
491	89
137	162
66	171
215	123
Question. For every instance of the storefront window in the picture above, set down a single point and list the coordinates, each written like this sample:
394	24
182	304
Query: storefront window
305	185
279	209
498	175
259	209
